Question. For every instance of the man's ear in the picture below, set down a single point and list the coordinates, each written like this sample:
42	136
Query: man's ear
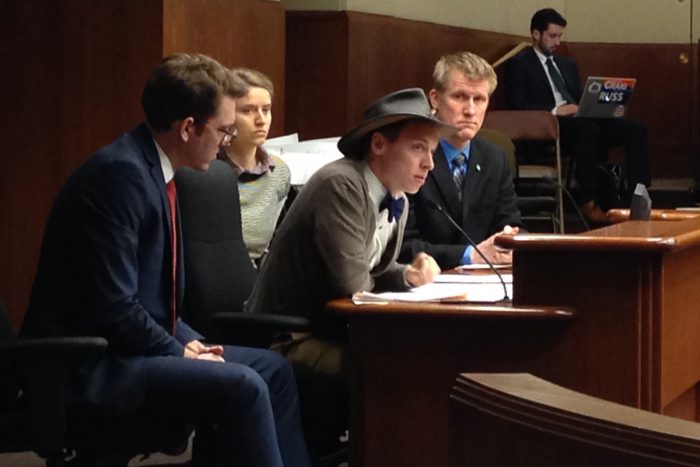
377	143
536	35
185	128
433	97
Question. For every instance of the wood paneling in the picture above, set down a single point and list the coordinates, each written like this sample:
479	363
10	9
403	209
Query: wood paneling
72	81
340	62
662	100
245	33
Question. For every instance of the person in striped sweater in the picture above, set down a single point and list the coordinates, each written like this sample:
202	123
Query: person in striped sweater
263	179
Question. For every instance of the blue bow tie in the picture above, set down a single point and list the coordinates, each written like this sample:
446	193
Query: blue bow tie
393	206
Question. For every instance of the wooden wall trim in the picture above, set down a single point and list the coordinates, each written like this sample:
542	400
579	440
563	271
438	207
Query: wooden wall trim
75	71
379	54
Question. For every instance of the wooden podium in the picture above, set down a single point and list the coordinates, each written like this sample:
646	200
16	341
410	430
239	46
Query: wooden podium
635	288
634	337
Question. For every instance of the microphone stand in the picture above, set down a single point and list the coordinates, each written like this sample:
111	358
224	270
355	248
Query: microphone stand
438	207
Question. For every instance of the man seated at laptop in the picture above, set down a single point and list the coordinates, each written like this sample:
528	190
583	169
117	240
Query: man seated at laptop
535	79
471	181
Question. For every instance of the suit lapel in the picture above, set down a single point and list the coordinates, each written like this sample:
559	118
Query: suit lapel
538	70
442	176
150	153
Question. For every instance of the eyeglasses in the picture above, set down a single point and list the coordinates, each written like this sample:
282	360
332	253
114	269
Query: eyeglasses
228	135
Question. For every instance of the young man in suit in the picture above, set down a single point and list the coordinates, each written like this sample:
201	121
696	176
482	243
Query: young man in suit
471	180
536	79
110	266
342	235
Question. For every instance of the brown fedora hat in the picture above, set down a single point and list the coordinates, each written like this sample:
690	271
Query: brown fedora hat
405	104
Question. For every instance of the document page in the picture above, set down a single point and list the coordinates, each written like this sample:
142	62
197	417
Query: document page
485	288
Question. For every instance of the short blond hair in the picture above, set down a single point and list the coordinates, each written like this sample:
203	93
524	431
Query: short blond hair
471	65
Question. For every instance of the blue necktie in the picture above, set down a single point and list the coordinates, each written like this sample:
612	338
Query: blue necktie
459	172
394	206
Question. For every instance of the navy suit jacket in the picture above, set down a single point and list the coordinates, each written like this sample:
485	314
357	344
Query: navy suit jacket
526	84
105	268
488	204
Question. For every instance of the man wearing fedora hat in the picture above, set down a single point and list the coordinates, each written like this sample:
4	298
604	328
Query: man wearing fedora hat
471	181
342	235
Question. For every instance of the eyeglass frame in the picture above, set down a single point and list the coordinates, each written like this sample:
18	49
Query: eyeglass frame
228	135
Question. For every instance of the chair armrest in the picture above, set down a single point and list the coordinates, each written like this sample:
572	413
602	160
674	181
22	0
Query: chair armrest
51	348
255	329
40	367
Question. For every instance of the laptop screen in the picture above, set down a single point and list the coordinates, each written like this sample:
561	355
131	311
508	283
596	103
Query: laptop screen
605	97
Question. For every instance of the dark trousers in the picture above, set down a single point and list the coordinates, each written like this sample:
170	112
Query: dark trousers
321	369
248	406
584	138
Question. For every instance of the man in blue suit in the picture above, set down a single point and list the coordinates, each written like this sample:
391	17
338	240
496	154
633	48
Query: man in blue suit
111	265
471	180
537	79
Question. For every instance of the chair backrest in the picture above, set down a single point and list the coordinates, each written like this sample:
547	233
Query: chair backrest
524	125
519	420
219	274
504	142
9	386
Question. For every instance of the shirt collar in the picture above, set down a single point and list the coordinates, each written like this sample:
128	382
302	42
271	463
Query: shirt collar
264	163
165	164
375	187
451	151
543	58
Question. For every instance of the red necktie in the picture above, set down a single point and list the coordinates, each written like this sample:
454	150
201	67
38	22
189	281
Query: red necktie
172	196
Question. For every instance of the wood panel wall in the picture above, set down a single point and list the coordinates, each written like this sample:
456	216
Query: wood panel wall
664	99
72	76
339	62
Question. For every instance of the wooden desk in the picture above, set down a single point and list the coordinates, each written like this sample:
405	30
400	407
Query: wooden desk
622	215
492	413
635	287
635	339
404	360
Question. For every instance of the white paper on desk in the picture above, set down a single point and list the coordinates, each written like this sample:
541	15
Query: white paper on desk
473	279
438	291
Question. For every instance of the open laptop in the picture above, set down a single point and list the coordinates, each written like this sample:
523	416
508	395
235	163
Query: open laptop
605	97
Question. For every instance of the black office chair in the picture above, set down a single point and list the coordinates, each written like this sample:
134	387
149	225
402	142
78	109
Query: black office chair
219	274
33	415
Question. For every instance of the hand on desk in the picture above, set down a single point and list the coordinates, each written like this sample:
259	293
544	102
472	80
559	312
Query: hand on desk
494	253
196	350
566	110
422	270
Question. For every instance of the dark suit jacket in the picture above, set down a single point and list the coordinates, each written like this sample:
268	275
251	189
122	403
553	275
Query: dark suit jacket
488	205
527	86
105	267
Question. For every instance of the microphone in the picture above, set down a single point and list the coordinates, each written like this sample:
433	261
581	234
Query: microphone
568	194
438	207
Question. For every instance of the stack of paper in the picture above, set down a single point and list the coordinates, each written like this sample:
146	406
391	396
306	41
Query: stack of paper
446	288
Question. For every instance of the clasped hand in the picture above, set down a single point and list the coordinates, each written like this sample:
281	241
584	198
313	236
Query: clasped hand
493	252
196	350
